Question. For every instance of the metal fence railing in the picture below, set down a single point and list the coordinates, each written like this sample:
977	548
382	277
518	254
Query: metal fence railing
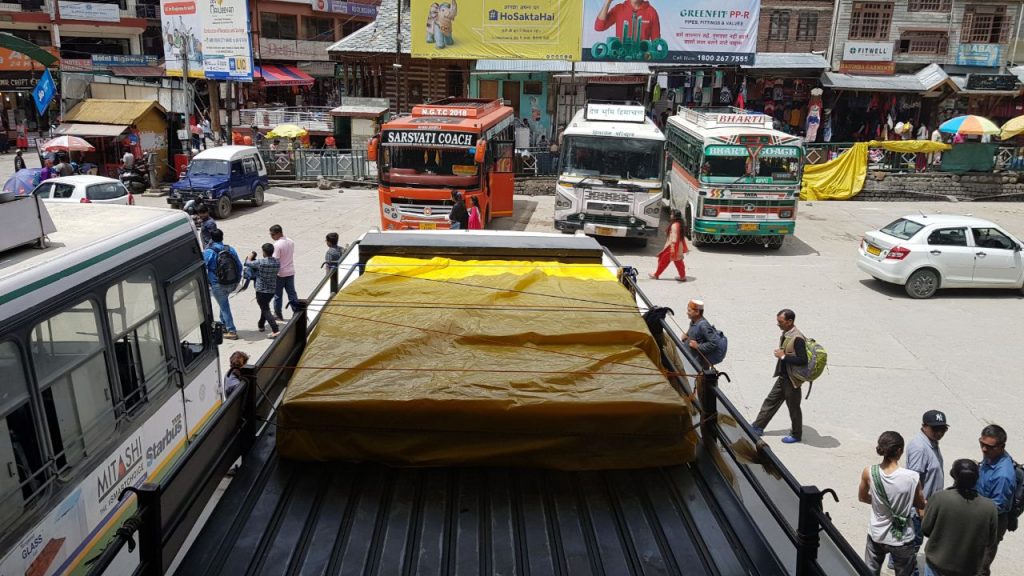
316	163
314	119
1007	157
539	161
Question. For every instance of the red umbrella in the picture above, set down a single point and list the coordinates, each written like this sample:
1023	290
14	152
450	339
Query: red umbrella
67	143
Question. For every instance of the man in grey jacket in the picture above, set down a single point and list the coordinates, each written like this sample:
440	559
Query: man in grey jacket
700	334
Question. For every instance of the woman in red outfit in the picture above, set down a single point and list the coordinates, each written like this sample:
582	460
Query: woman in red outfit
675	247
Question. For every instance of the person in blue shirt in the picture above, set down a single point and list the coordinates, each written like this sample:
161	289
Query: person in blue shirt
206	225
997	482
219	290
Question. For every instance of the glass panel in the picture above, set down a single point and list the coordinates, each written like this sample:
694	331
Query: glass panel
79	411
43	190
151	353
188	313
64	339
13	385
991	238
130	301
623	158
63	190
107	191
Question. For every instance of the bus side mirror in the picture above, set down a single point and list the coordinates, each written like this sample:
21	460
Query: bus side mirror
481	152
371	150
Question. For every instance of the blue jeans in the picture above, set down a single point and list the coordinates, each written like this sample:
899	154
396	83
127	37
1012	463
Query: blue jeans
220	294
285	284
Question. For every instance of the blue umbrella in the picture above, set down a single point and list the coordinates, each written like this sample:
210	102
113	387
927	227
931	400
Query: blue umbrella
23	182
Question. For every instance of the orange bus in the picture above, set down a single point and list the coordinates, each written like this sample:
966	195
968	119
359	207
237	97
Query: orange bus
463	144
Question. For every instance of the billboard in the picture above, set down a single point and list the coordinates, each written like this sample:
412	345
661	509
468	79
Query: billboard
181	28
671	32
227	44
497	29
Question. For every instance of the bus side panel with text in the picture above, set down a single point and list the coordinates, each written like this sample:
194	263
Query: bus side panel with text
734	178
455	144
108	367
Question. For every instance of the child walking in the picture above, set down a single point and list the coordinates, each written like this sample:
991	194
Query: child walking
333	255
266	285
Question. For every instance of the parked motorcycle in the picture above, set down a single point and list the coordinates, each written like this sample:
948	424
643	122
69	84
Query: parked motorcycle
136	178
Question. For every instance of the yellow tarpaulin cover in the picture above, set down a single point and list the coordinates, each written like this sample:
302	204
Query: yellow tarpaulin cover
843	177
442	362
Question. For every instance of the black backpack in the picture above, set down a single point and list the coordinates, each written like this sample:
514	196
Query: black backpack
226	268
1017	506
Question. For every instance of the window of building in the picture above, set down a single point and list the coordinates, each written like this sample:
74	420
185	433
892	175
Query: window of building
870	20
929	5
279	26
985	25
923	42
351	26
318	29
778	25
807	26
70	364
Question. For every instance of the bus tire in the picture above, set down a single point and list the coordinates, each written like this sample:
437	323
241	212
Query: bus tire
222	209
688	225
775	243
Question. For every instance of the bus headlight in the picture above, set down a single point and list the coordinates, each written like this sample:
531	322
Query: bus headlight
582	216
632	220
710	212
563	201
653	209
786	213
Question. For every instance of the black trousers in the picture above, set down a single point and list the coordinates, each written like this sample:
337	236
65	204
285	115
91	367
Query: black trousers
266	316
782	391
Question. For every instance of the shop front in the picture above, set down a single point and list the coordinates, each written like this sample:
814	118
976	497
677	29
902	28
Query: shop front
18	115
782	85
279	85
114	127
526	86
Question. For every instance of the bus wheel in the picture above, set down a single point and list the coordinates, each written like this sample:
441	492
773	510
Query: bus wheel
688	226
774	243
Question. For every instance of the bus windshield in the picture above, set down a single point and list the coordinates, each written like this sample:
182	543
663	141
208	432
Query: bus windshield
734	165
622	158
429	161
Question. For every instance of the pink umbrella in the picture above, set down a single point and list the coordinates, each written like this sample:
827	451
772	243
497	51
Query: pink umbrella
67	143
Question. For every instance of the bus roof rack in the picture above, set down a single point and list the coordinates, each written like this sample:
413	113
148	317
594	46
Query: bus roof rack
722	116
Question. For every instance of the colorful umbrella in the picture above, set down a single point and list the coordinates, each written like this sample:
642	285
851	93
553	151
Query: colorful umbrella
67	143
23	182
1012	128
287	131
970	125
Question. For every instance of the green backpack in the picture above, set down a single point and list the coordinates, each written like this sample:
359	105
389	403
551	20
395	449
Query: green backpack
817	359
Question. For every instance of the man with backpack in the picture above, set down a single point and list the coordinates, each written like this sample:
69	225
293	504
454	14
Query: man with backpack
223	270
791	356
997	481
703	338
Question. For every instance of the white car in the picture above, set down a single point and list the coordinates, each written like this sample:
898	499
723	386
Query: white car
84	189
926	252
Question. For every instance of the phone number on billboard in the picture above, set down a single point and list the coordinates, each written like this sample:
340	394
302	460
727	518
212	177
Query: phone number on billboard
723	58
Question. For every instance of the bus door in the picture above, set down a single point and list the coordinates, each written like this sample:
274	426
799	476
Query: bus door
501	179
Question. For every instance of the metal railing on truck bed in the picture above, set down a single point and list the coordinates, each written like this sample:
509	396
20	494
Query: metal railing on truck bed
736	509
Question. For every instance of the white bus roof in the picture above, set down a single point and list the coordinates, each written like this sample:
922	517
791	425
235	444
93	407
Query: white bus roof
580	126
227	153
727	121
90	239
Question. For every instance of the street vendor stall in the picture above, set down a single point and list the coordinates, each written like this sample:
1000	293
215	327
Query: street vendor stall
118	126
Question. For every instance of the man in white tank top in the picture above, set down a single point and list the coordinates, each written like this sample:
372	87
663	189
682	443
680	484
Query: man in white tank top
893	492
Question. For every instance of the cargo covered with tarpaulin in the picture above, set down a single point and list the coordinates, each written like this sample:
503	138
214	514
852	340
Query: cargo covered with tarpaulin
501	363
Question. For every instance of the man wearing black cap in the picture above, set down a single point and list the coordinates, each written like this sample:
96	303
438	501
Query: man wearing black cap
925	458
459	216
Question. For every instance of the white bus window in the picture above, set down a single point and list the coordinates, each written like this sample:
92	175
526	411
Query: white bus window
622	158
21	460
68	358
188	314
138	345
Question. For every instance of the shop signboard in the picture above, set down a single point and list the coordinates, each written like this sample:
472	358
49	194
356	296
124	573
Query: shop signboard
90	11
11	61
868	68
1002	82
671	32
16	83
497	29
182	32
346	8
105	61
227	42
867	52
982	55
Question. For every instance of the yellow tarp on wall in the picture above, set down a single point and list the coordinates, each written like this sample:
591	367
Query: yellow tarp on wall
843	177
441	362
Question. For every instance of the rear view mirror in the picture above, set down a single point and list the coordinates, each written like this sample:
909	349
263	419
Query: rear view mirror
371	150
481	152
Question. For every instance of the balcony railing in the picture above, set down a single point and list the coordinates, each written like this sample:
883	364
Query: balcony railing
314	119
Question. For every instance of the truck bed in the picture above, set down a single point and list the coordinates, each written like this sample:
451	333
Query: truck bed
285	517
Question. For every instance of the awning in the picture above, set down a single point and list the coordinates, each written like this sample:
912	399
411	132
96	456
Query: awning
84	130
139	71
525	66
787	60
927	79
283	75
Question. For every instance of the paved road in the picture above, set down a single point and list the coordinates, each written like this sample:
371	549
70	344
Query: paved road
891	358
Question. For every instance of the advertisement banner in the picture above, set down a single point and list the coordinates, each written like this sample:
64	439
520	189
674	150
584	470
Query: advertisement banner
11	61
90	11
497	29
671	32
227	43
181	28
982	55
105	61
346	8
867	51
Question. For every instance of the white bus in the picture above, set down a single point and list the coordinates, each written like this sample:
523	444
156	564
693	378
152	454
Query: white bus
611	170
734	177
108	366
